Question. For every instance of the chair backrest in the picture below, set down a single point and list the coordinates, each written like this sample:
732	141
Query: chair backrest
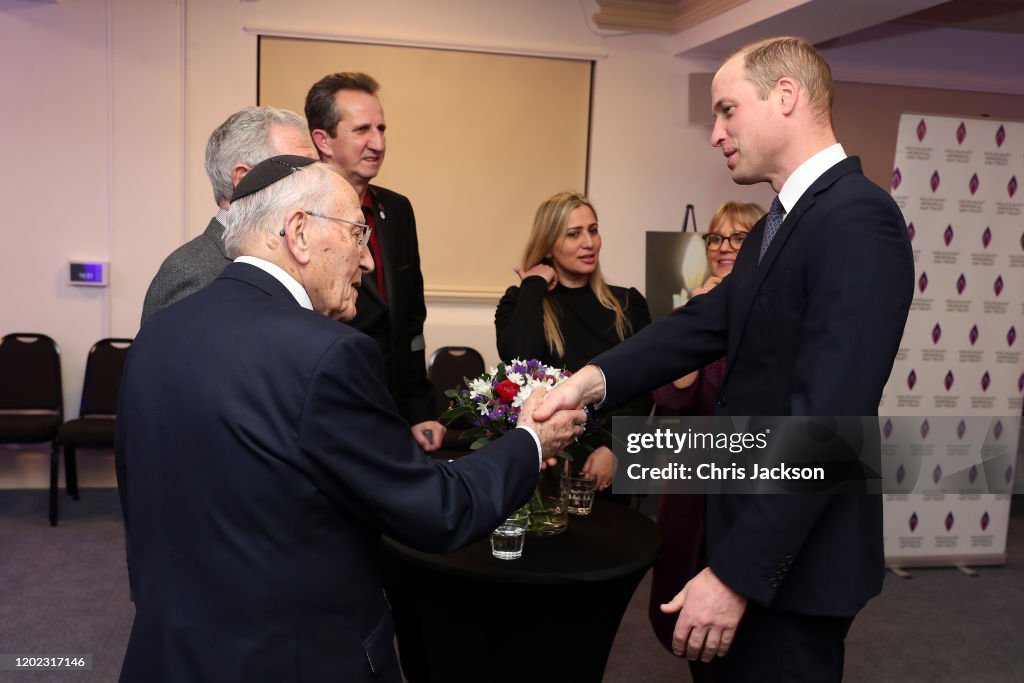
103	370
30	373
448	365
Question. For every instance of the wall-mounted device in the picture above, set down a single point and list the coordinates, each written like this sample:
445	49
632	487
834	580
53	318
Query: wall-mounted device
89	273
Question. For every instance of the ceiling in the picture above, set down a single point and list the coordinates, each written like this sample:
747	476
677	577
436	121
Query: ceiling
674	16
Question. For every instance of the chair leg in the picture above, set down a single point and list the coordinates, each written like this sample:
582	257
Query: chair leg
70	471
54	468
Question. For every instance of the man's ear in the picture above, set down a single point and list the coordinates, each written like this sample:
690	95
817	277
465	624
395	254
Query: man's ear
238	172
787	91
322	141
295	236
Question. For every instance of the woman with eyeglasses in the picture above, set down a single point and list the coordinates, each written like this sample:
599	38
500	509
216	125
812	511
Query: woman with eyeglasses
563	313
681	516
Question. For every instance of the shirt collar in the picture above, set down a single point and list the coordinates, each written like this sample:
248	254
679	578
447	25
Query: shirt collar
222	217
282	276
806	173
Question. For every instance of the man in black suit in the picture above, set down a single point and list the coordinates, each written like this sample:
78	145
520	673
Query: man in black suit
244	139
259	457
810	321
346	121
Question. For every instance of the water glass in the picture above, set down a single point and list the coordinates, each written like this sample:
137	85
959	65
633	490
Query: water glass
508	539
580	488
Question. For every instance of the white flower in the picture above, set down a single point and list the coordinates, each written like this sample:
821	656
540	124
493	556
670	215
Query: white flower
524	393
480	387
482	407
492	371
517	378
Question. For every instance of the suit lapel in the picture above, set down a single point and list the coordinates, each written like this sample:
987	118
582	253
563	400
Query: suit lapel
753	274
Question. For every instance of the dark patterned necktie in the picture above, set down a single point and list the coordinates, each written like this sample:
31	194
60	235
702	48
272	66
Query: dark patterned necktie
771	225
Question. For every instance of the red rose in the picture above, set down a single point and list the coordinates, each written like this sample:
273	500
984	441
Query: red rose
507	390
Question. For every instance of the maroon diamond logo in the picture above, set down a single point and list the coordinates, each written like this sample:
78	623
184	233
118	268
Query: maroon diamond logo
921	130
972	473
1000	136
985	381
961	284
997	431
997	286
925	428
949	522
937	474
911	379
961	133
947	236
1011	187
897	178
936	334
900	474
922	282
1011	336
934	182
973	335
961	429
887	429
973	184
913	522
911	232
984	521
949	380
986	237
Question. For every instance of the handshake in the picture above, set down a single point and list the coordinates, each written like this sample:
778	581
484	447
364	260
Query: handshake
557	416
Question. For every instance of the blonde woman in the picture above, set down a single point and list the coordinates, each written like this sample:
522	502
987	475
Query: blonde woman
563	313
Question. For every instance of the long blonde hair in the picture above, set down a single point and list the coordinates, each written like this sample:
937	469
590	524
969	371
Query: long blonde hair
548	229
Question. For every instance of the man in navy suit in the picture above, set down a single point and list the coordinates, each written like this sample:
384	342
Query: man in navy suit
346	122
259	457
810	321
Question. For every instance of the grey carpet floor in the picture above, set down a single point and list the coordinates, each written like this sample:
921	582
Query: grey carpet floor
64	590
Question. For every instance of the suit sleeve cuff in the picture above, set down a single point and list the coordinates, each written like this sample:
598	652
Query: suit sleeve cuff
536	440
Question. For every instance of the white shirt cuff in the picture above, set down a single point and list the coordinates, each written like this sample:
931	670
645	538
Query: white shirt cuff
536	440
604	383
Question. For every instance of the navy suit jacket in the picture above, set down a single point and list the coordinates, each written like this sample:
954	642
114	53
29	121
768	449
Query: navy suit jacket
259	458
811	330
397	324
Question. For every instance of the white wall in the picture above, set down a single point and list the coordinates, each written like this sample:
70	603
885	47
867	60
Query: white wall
108	103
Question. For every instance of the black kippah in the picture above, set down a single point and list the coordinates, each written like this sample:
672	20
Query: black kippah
268	172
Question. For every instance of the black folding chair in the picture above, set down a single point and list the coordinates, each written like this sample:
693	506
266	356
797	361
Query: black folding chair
447	368
31	397
94	426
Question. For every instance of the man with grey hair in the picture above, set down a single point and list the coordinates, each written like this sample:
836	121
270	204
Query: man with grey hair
246	138
260	457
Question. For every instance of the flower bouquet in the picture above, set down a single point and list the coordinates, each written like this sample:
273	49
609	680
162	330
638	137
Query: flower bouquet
490	405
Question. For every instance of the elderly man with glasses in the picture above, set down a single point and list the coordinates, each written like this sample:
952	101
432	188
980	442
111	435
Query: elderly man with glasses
260	457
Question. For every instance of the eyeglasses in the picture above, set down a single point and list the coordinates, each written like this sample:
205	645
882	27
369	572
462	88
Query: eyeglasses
714	241
363	236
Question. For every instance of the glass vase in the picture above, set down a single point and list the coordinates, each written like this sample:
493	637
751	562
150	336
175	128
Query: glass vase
548	508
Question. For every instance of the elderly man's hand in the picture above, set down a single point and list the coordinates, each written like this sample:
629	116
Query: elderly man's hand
555	432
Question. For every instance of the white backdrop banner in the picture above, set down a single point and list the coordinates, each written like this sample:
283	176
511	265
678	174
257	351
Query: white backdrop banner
957	181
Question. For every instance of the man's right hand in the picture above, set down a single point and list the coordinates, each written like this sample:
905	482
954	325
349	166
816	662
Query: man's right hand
557	431
583	388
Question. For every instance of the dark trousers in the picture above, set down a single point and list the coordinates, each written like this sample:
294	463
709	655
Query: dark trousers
777	647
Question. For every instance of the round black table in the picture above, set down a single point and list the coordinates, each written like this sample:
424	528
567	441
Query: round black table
549	616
